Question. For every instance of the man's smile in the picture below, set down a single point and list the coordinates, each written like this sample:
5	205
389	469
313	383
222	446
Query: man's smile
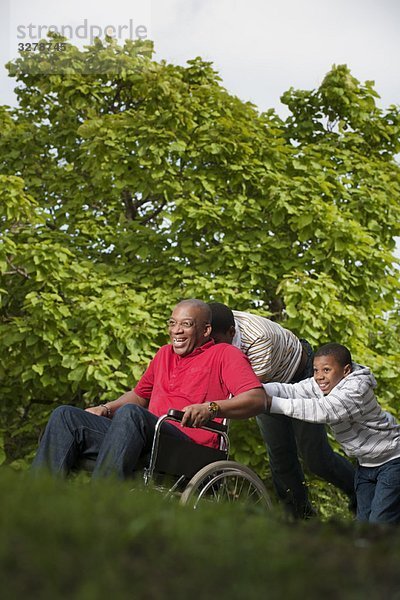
178	342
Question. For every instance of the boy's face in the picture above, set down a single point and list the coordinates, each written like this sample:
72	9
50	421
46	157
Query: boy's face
328	372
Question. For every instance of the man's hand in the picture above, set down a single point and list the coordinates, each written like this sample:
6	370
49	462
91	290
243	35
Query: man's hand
100	411
196	415
243	406
109	408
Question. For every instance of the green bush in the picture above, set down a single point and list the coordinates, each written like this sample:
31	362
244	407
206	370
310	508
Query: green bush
76	540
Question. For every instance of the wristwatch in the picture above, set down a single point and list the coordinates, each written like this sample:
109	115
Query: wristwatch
213	409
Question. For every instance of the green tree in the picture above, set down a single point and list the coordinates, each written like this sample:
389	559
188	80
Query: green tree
347	219
127	184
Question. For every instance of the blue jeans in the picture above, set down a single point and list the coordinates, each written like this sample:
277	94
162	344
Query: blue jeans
286	439
117	444
378	493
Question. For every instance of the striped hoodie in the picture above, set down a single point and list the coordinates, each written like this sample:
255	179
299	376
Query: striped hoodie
359	424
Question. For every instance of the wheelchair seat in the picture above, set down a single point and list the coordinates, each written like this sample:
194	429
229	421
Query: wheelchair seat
178	457
183	458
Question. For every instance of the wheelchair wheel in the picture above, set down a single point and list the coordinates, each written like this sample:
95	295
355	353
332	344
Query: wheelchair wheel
226	481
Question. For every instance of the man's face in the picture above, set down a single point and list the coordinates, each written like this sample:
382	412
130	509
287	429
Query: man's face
188	329
328	372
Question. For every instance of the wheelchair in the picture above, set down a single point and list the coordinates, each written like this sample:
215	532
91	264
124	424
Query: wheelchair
195	473
200	473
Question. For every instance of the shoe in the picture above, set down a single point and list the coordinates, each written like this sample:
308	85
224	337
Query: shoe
300	512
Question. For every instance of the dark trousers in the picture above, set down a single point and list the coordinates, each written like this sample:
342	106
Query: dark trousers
117	444
286	439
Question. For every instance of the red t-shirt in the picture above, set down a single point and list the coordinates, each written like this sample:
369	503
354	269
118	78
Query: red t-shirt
210	373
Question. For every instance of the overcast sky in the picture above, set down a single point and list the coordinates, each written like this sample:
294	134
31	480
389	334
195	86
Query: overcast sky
260	47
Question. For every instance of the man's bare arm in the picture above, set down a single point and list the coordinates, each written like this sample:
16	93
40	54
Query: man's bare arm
108	409
244	405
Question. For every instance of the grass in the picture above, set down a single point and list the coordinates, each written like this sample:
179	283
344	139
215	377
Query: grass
92	541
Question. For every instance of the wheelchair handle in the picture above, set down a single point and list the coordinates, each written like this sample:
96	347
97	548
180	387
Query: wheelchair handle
213	425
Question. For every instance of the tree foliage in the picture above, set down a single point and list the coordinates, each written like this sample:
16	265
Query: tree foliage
127	184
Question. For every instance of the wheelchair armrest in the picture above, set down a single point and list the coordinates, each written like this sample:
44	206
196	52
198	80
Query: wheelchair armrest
214	425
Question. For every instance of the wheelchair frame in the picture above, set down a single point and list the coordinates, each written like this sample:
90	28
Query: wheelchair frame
204	473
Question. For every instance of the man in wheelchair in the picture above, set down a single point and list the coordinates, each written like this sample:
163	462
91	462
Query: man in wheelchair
191	370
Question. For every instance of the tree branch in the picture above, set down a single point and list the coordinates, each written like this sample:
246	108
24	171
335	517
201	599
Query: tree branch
16	270
153	214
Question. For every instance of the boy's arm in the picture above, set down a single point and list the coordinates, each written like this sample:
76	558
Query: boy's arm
342	404
301	389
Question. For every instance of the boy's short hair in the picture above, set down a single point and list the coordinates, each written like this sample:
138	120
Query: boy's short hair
222	317
338	351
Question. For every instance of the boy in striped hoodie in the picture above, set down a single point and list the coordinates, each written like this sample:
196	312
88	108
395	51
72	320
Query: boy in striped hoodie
341	394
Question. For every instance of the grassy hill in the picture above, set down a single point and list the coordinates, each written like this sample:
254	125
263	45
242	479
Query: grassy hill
85	541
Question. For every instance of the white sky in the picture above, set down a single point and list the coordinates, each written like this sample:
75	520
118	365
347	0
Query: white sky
260	47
